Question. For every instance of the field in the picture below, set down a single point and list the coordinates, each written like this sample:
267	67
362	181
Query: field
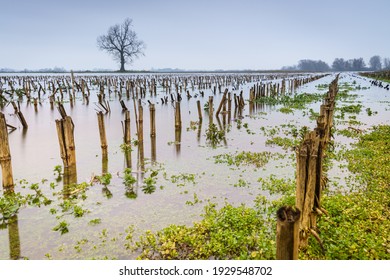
224	145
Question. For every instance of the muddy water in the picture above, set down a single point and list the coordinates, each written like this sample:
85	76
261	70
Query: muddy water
35	153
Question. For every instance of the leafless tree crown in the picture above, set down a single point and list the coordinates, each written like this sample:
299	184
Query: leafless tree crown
122	43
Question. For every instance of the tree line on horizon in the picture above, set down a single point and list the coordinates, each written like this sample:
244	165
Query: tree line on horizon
376	63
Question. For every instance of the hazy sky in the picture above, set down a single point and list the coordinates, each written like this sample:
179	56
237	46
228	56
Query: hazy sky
200	34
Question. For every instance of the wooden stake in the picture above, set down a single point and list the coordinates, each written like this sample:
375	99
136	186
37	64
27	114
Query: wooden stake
287	237
211	109
65	132
141	155
222	103
5	156
177	116
152	112
199	110
102	133
127	134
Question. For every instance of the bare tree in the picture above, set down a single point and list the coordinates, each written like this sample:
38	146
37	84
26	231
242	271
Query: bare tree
122	43
386	63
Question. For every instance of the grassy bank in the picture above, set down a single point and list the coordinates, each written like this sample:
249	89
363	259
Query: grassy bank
357	227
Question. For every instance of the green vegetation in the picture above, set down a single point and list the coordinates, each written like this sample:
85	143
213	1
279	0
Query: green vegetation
62	227
284	142
297	101
244	158
357	226
128	179
228	233
350	109
105	179
214	136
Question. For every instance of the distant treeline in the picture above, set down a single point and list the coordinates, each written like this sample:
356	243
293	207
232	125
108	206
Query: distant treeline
375	63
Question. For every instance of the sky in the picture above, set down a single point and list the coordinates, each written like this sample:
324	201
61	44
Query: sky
193	35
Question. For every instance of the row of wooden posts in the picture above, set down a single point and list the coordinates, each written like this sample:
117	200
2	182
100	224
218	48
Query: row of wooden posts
296	224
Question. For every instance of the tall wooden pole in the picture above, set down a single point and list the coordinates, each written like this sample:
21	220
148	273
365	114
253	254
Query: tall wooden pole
5	156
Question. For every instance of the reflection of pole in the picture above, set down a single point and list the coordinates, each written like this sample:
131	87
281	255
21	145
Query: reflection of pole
5	156
178	140
104	164
199	130
70	178
14	239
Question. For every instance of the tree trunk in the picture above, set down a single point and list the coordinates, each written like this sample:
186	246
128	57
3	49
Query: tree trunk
122	63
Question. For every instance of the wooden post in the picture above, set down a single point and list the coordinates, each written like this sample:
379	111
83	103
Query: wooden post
287	237
72	78
5	156
127	134
65	132
307	179
102	133
211	110
152	111
141	155
199	110
222	103
177	116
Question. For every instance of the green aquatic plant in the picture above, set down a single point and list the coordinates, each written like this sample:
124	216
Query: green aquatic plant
104	179
62	227
214	136
284	142
128	178
257	159
228	233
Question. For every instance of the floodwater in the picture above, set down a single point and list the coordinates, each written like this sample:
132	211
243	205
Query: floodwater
35	153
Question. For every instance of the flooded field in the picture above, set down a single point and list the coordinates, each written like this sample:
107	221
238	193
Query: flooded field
168	178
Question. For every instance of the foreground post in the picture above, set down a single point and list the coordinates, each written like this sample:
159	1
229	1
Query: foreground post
287	233
5	156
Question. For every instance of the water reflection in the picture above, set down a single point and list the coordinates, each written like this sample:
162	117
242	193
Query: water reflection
14	238
104	163
178	141
70	179
199	134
